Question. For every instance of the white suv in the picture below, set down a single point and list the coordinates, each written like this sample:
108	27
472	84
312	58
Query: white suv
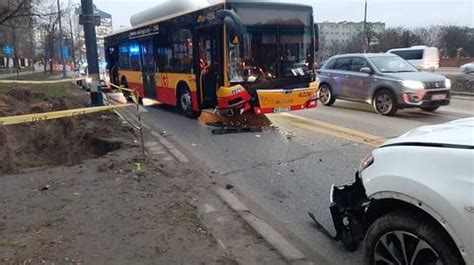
413	199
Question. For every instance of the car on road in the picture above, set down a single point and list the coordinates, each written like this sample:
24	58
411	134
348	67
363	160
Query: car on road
422	57
413	199
385	81
468	68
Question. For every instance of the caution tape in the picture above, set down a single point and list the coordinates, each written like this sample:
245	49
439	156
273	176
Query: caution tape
57	114
133	92
40	82
122	88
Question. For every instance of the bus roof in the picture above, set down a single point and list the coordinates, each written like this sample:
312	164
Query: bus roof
184	12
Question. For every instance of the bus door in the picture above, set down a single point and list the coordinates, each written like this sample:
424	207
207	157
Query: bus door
208	62
148	69
112	57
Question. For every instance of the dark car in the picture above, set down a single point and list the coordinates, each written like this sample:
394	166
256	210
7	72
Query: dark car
385	81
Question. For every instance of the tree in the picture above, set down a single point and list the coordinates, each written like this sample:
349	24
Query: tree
47	26
398	37
13	9
430	36
454	38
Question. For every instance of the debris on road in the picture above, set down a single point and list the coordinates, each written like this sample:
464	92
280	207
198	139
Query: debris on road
236	129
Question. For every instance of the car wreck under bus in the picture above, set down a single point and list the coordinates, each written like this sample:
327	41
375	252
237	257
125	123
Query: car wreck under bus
232	56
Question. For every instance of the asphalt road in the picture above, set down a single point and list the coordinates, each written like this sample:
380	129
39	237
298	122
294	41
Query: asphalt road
288	169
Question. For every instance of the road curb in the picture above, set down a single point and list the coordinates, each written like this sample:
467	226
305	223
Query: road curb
275	239
167	144
462	95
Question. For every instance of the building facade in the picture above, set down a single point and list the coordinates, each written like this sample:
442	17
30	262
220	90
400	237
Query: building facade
341	33
103	30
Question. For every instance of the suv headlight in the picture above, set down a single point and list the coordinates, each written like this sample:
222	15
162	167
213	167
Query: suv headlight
447	83
413	84
366	162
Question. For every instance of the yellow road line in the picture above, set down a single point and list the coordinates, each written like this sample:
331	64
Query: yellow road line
56	115
335	130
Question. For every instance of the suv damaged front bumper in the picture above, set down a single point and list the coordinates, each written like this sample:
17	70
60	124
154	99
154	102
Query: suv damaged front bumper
348	206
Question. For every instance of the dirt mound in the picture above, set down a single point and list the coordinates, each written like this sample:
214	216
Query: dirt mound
59	142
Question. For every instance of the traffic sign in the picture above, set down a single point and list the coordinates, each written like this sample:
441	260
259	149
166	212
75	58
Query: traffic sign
64	52
8	50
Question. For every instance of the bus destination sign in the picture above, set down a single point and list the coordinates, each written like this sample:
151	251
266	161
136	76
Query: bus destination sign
144	32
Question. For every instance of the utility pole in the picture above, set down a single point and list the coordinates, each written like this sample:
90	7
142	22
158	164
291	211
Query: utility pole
366	37
89	21
63	61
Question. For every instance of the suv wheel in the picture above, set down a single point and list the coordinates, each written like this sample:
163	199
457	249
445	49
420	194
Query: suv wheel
325	95
385	103
407	238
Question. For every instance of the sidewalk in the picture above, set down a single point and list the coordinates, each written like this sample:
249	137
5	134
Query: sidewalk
14	75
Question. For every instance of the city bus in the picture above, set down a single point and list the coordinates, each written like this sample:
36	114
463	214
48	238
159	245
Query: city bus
230	56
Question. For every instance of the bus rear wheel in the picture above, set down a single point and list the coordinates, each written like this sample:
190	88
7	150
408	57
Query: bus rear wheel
185	103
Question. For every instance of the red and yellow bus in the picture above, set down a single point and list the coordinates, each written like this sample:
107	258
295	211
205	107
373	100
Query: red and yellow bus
233	56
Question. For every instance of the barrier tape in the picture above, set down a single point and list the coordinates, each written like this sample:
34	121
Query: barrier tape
133	92
122	88
40	82
57	114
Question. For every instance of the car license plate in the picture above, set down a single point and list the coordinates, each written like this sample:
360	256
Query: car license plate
276	110
438	97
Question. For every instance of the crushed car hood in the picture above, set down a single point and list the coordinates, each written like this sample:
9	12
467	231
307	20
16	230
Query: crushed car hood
459	133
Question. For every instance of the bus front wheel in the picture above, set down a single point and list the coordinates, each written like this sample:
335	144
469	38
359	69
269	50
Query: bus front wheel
185	103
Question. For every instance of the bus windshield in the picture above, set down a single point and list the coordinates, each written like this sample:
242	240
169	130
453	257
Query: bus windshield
277	43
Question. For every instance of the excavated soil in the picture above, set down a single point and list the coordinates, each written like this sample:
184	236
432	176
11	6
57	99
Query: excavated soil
65	141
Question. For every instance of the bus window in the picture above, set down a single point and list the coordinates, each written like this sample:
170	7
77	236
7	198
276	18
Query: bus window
295	44
124	59
163	57
134	53
263	50
182	60
410	54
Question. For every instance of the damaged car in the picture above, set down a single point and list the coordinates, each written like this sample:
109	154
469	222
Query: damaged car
412	201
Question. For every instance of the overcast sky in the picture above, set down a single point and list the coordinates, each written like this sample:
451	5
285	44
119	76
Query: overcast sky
408	13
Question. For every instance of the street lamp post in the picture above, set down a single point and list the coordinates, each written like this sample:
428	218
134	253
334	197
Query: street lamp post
366	37
89	21
61	50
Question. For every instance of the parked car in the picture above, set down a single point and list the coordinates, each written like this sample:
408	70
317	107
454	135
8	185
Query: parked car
413	199
422	57
468	68
385	81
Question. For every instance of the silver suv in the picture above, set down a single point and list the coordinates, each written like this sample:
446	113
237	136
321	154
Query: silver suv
385	81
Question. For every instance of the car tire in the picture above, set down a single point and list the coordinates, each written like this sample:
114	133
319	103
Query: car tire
185	104
326	97
397	235
385	103
430	109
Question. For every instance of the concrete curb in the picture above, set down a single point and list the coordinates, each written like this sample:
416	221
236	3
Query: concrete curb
167	144
275	239
462	94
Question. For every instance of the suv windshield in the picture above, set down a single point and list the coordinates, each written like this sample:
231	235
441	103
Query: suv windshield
276	45
392	64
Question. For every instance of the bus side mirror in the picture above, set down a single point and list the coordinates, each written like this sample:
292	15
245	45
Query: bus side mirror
233	25
316	37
